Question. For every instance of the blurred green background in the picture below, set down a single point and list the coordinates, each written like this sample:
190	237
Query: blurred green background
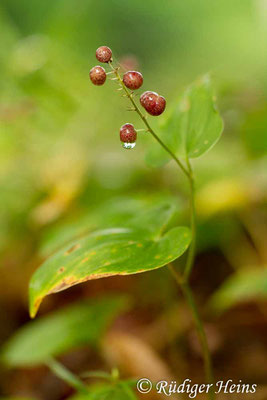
60	158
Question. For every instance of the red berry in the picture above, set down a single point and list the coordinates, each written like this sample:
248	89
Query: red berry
145	95
98	75
133	80
128	136
153	103
103	54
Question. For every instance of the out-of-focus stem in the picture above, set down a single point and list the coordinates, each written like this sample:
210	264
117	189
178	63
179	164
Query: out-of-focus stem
188	294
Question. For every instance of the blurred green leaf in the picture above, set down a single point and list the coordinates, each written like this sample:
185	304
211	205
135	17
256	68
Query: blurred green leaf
217	231
254	132
117	251
193	126
118	391
242	286
80	324
67	376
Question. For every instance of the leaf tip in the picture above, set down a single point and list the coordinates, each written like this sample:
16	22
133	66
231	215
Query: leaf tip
34	306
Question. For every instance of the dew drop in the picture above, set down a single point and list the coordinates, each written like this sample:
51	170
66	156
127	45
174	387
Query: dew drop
128	145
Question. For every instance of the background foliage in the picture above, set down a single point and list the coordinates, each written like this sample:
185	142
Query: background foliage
63	173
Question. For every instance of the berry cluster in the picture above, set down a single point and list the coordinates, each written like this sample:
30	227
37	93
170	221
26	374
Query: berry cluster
152	102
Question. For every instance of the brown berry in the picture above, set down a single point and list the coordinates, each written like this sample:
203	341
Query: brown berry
98	75
103	54
145	95
153	103
133	80
128	136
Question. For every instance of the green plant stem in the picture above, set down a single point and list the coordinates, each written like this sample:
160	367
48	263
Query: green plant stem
201	335
137	109
63	373
188	294
182	281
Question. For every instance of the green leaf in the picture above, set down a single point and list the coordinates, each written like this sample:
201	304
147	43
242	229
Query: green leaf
118	251
242	286
73	326
154	213
192	127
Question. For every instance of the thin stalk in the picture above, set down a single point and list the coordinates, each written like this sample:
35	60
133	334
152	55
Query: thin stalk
137	109
63	373
201	335
188	294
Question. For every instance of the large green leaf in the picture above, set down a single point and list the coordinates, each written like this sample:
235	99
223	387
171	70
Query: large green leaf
153	212
192	127
118	251
72	326
242	286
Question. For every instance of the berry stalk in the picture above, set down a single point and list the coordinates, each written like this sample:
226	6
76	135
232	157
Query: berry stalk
188	172
137	109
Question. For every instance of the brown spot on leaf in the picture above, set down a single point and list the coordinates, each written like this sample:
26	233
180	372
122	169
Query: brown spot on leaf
73	248
64	284
71	281
99	276
61	286
62	269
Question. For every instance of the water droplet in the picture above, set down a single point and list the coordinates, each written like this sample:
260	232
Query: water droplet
128	145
